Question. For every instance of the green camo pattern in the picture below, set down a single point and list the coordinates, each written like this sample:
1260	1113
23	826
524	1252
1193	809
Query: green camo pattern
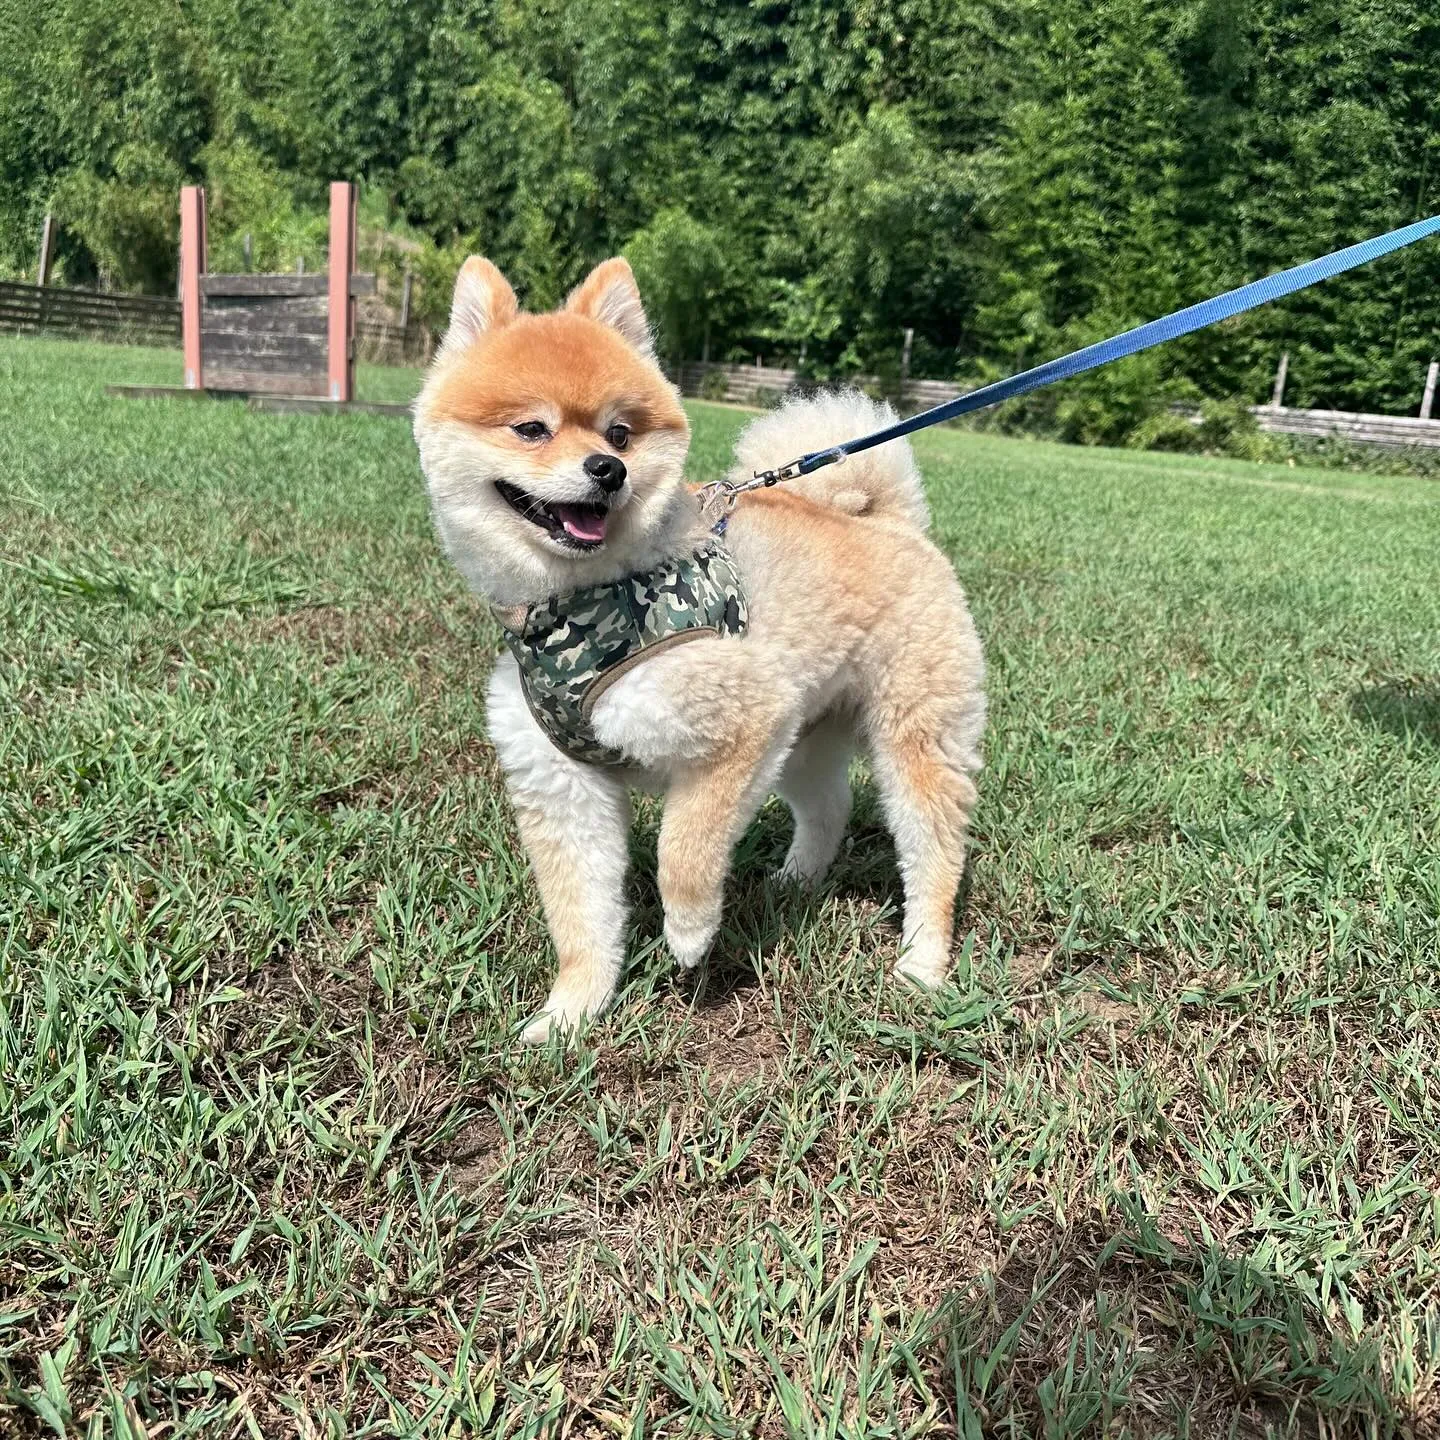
569	642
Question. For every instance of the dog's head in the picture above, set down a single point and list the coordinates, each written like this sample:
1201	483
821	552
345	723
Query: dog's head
553	446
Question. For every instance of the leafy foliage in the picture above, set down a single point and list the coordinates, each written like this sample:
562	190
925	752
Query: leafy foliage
681	266
801	179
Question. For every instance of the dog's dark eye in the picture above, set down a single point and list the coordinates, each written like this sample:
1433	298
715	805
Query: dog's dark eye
532	430
618	435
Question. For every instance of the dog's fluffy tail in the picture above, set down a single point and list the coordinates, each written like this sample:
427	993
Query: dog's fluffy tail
883	481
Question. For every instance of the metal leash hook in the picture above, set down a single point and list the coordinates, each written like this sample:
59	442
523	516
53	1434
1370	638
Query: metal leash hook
707	493
764	479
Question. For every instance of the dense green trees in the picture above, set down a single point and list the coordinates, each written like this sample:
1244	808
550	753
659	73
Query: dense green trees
794	177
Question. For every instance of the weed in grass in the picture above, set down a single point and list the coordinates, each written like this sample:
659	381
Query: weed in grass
1163	1161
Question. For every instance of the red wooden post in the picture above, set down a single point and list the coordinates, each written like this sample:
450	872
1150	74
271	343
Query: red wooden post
342	307
192	267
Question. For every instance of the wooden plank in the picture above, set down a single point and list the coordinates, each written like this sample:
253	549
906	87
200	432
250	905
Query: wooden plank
279	285
342	303
83	322
139	306
273	367
264	285
1391	430
111	327
1403	422
299	405
305	365
258	342
264	401
268	304
157	392
98	324
264	319
265	382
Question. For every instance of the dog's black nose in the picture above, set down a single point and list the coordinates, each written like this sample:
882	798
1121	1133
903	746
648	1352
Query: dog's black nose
606	471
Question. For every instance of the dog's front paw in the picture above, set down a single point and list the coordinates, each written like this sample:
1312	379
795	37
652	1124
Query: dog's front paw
564	1010
547	1023
689	939
923	965
802	869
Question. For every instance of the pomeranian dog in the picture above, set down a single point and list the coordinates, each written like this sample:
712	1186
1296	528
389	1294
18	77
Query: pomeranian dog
822	620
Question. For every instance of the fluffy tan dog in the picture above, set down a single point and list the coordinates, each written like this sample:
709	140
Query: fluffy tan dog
553	448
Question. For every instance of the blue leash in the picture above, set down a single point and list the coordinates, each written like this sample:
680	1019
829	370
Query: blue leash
1131	342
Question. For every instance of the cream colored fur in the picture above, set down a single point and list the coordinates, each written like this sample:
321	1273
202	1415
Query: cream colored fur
859	637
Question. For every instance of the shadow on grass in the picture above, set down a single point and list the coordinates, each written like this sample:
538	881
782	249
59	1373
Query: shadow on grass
1409	709
1085	1333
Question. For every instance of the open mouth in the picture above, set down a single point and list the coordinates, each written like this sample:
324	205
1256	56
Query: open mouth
581	527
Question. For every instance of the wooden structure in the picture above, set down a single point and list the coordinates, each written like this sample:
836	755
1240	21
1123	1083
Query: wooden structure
271	334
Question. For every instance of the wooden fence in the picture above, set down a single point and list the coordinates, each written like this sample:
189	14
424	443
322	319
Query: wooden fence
766	385
762	386
155	320
143	319
1393	430
379	342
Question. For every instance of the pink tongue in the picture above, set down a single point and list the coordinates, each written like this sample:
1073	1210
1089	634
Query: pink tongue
581	522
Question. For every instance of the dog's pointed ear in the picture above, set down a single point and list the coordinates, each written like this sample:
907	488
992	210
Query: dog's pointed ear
483	301
610	295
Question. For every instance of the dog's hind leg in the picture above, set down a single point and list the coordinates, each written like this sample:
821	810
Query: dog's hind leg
574	820
815	784
924	714
927	799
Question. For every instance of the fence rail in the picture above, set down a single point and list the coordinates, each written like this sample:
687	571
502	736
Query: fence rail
1394	430
378	342
762	385
30	309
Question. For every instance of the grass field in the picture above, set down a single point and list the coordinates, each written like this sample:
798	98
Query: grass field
1163	1161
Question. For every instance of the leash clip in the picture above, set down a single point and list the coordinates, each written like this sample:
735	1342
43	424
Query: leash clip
764	479
722	489
730	492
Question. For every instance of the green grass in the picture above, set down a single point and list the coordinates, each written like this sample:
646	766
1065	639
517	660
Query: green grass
1163	1160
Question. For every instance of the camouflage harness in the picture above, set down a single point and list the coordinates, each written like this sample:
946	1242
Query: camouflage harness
572	648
